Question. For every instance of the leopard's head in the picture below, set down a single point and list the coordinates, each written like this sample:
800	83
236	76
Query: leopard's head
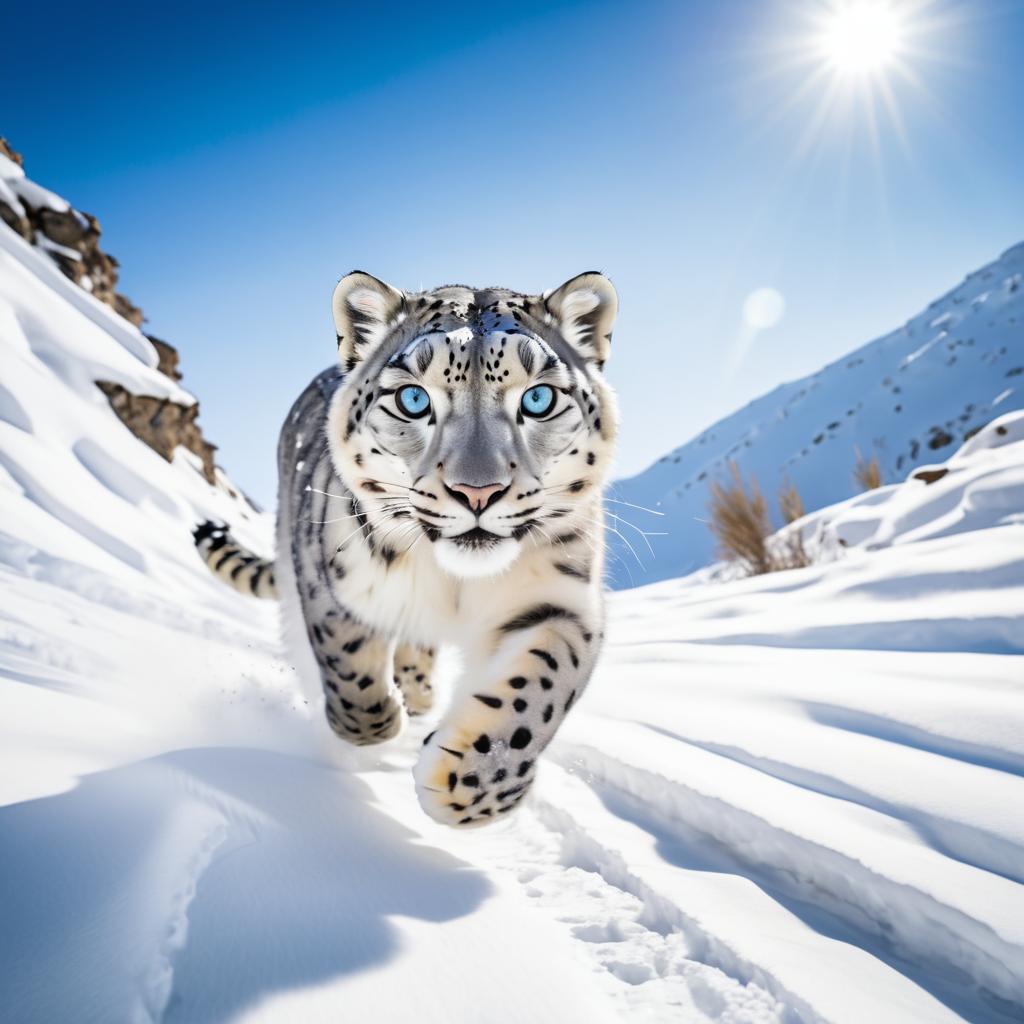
475	418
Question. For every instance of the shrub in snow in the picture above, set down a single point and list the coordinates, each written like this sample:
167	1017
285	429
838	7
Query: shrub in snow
867	472
740	523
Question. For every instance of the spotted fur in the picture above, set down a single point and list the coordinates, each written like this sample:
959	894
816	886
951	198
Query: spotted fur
382	557
232	563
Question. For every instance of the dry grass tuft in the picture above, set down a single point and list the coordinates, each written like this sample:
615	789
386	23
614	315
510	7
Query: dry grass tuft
789	552
739	520
791	505
866	472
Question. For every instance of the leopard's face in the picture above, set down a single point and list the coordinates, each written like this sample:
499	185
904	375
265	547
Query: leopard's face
476	420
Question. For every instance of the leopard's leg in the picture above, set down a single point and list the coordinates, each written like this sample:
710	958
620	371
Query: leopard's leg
482	758
362	703
413	669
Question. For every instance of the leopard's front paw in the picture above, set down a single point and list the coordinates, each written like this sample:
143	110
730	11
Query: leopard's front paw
413	668
364	725
468	776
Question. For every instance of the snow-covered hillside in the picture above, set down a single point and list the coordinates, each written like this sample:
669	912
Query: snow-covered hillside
786	799
910	397
80	494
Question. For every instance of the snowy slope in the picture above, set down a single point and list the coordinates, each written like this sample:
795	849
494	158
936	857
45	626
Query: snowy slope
96	495
787	799
910	398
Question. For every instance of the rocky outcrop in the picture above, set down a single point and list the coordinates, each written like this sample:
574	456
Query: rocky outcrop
161	423
71	239
168	356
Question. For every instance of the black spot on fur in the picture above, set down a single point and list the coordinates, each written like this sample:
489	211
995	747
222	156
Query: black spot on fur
571	570
536	615
482	744
546	658
491	702
520	738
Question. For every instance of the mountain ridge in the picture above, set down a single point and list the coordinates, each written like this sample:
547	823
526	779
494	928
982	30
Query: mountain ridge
907	397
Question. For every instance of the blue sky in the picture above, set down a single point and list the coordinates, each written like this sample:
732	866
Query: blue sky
242	159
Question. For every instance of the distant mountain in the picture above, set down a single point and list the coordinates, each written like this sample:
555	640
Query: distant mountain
909	398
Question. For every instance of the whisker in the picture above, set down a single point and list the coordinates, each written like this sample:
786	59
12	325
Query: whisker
397	504
394	529
654	512
628	545
638	530
329	494
367	525
611	529
404	487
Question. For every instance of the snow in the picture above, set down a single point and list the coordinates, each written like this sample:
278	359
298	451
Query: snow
9	170
33	194
790	798
908	398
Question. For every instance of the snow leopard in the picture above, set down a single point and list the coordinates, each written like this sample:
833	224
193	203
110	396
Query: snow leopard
442	485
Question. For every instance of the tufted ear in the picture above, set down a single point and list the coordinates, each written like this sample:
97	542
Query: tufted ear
584	309
364	308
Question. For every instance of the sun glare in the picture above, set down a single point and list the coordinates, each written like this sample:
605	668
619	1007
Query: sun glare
854	69
861	37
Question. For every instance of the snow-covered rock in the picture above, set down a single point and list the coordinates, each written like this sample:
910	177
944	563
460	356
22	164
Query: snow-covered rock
46	235
68	236
909	398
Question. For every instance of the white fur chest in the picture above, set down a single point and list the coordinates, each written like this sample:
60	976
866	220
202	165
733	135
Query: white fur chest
416	600
410	598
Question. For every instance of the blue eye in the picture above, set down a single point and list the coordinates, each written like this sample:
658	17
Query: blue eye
538	400
413	401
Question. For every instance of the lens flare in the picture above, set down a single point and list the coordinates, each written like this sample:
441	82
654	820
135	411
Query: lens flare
763	308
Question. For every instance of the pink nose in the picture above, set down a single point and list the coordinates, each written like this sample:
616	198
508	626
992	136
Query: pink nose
477	498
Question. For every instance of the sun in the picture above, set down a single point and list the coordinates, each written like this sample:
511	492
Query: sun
859	38
852	75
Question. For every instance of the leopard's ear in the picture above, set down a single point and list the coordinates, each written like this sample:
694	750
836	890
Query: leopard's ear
584	308
364	309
